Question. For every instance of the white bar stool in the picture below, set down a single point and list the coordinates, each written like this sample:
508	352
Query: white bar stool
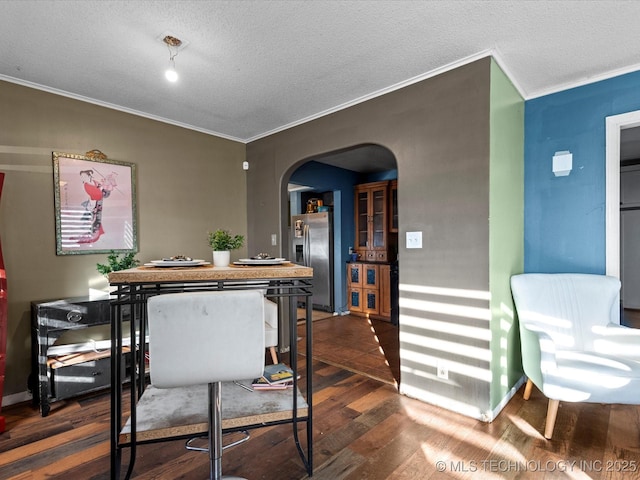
207	338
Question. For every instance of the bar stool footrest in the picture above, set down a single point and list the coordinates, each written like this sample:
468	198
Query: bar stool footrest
188	445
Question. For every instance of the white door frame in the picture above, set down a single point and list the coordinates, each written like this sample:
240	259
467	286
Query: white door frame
614	124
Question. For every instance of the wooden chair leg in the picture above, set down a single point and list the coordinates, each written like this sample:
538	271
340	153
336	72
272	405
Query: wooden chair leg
552	413
527	389
274	355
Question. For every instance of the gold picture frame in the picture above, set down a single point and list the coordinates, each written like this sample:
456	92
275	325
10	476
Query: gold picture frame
95	204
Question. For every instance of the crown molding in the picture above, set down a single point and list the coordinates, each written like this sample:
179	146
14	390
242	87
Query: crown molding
393	88
586	81
112	106
494	53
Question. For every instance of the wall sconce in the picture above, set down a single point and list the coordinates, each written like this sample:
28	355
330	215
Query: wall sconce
562	163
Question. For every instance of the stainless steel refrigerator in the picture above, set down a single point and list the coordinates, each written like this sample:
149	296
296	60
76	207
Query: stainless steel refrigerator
312	246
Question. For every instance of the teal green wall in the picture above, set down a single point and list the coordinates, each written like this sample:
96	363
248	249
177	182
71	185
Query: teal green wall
506	234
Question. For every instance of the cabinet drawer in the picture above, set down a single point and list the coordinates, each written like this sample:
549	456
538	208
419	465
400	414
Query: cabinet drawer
82	377
376	256
68	315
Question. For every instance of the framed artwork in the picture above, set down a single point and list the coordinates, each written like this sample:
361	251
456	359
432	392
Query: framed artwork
95	204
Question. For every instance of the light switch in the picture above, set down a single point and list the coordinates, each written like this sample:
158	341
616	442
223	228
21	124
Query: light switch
414	239
274	239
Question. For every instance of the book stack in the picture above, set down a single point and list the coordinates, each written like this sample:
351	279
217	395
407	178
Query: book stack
275	377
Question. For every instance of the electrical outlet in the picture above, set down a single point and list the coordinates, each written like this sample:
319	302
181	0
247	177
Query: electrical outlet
442	370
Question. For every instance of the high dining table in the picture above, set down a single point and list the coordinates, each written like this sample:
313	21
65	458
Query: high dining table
157	415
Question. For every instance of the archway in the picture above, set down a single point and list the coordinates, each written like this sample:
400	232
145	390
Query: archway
331	178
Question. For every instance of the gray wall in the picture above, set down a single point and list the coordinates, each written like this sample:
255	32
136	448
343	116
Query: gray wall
188	183
438	130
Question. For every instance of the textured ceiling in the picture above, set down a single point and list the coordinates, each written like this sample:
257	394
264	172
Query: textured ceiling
255	67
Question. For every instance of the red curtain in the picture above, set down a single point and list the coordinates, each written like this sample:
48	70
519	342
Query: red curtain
3	321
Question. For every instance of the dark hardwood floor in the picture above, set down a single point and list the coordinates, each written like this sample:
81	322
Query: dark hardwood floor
360	345
362	430
630	317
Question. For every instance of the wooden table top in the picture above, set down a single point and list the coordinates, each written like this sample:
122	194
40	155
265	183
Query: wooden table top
209	273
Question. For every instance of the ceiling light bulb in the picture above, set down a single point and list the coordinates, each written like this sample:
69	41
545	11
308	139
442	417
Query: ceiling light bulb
171	74
173	44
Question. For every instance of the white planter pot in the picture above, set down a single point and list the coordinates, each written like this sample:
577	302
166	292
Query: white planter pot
221	258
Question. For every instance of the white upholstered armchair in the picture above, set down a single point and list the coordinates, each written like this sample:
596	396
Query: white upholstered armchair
573	346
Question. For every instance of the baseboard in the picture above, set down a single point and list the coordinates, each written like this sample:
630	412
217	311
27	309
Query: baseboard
15	398
507	398
442	401
461	407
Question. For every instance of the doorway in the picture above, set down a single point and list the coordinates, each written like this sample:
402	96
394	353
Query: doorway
623	209
331	178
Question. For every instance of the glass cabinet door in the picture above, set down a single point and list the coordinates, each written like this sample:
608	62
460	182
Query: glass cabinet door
354	274
378	219
362	219
372	301
355	299
372	220
370	276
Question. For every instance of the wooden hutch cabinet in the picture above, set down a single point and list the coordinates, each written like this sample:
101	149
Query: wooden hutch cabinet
369	283
372	224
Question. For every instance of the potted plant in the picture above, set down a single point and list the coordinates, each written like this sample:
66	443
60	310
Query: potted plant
116	262
222	242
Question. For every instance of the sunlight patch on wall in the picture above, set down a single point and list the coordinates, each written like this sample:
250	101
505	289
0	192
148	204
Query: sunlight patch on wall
506	324
444	401
459	368
445	346
446	327
446	292
469	351
446	308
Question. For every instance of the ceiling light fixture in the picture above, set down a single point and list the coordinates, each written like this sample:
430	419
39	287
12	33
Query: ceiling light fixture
173	44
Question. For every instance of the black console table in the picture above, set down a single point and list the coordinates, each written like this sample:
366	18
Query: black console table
70	349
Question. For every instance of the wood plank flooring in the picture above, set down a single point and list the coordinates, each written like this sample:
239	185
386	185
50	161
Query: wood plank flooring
357	344
362	430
